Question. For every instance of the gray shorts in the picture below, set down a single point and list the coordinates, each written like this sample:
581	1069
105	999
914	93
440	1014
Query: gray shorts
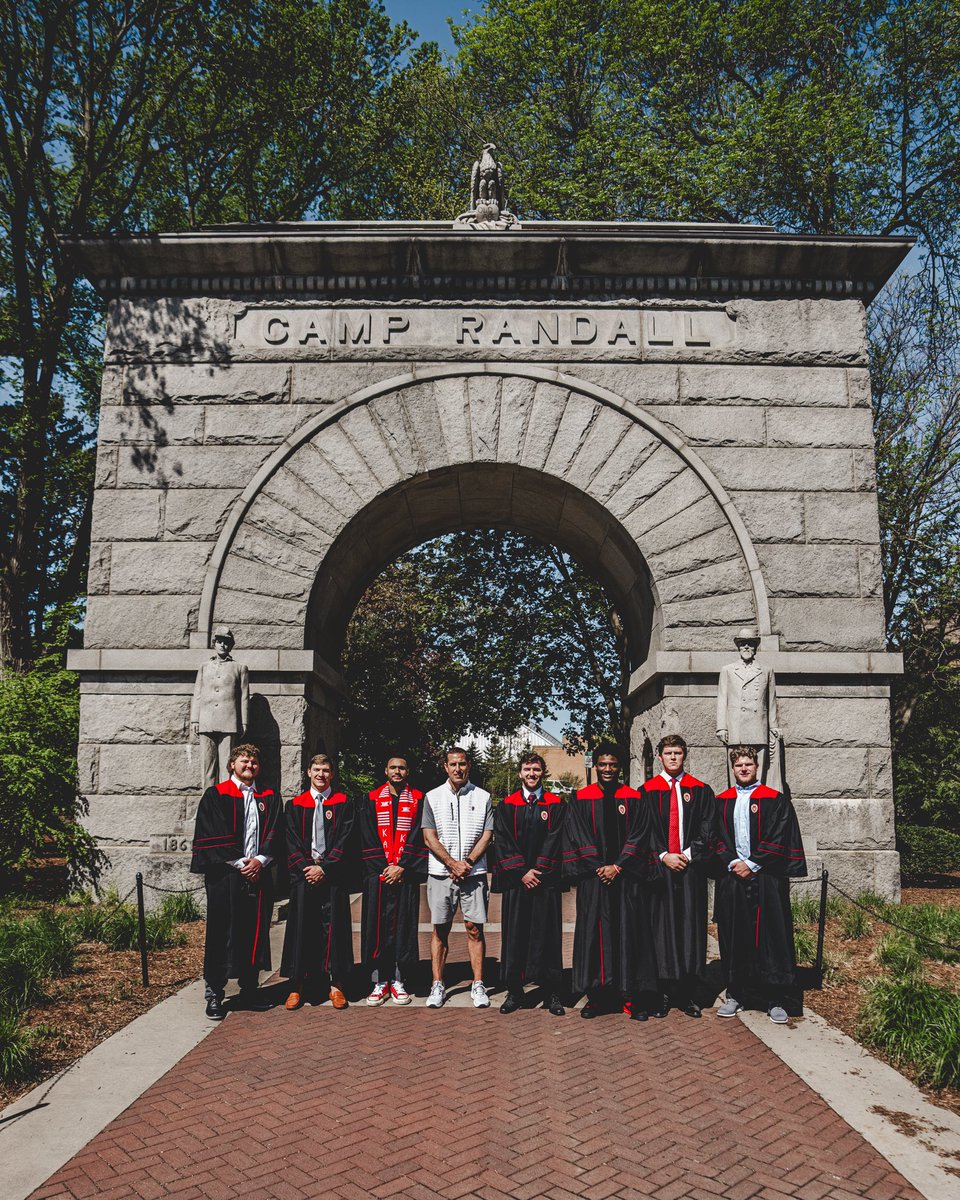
445	894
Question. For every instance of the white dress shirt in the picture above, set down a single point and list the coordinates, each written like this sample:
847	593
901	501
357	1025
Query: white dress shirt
686	851
251	825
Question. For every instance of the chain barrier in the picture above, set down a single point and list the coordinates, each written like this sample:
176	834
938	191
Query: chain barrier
921	937
173	891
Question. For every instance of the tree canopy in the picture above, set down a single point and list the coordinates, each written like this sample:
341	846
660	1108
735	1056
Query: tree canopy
825	116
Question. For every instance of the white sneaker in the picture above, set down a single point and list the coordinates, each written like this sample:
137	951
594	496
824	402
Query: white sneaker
438	993
729	1008
778	1014
398	993
478	994
379	995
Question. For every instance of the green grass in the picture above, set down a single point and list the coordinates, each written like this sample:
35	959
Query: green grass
18	1058
932	924
854	924
917	1024
804	945
182	907
806	909
898	953
33	950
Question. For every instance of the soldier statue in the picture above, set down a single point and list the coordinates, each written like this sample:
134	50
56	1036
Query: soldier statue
747	707
220	708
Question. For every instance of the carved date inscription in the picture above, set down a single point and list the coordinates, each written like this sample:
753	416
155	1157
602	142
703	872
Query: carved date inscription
597	332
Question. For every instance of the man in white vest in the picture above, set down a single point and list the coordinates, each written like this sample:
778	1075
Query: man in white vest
457	829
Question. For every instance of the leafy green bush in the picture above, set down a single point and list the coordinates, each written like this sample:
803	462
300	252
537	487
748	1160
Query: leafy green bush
39	799
925	850
916	1024
899	953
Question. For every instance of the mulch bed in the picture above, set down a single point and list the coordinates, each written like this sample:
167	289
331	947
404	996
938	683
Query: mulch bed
104	994
842	996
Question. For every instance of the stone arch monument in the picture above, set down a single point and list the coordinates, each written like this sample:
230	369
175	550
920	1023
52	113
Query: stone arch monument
686	409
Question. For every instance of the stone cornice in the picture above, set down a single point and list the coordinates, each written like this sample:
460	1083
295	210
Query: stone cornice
550	259
876	665
146	662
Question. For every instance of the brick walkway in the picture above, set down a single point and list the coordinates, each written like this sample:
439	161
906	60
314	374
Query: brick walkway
457	1103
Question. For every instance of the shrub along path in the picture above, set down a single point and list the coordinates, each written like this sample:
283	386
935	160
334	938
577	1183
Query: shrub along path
895	994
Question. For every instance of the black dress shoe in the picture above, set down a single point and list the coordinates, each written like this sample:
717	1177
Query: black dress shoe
511	1003
588	1012
215	1010
250	1000
637	1013
555	1006
691	1009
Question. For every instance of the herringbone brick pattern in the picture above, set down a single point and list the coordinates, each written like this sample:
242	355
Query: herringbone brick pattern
457	1104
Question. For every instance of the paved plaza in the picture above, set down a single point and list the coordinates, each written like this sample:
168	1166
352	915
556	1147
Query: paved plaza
457	1103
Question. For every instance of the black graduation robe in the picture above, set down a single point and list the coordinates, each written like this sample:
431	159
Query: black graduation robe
390	914
611	942
678	900
527	836
319	935
754	922
237	936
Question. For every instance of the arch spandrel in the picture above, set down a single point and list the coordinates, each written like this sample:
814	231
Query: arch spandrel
518	447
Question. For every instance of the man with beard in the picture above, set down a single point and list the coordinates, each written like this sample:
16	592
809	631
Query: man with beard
237	832
683	813
394	860
760	849
608	853
527	831
318	943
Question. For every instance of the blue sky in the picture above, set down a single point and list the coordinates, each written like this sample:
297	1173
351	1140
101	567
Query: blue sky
429	17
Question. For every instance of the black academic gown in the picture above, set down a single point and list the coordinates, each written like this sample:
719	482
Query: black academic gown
611	942
754	922
390	914
527	836
237	939
678	900
319	937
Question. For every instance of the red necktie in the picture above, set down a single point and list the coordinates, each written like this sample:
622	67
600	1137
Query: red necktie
673	836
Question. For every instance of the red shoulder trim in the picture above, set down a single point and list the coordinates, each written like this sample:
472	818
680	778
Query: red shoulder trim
688	781
336	798
229	788
592	791
626	793
729	794
514	798
762	792
656	784
416	795
304	800
550	798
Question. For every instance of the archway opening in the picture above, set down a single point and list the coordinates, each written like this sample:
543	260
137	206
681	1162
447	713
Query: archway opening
480	598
